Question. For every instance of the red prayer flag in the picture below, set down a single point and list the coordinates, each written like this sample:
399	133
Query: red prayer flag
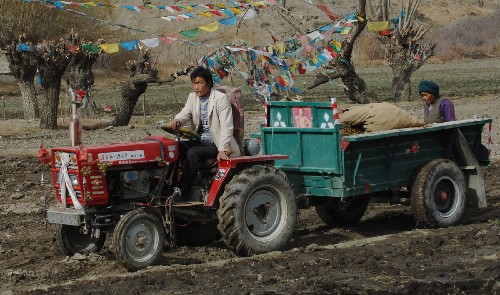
216	12
385	33
331	15
72	48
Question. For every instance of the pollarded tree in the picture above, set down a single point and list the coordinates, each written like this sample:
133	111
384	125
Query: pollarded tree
35	23
141	73
405	45
79	74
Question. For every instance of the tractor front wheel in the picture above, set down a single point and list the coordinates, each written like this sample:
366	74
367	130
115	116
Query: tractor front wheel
257	211
138	239
72	240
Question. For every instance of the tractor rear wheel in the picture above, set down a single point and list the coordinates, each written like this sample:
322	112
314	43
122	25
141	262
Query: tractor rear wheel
438	194
257	211
345	212
138	239
71	240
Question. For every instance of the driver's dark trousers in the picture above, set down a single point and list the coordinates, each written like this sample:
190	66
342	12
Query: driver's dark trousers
193	152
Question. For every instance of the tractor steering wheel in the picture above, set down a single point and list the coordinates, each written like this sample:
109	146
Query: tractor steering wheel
182	132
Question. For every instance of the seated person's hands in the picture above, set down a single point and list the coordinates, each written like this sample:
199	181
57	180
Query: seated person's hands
174	124
222	155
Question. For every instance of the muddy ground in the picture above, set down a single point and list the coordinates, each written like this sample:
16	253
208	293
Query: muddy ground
384	254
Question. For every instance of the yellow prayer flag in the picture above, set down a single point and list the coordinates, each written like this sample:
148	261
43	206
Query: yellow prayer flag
281	47
109	48
210	27
90	4
204	13
378	26
188	7
236	10
221	5
360	19
258	3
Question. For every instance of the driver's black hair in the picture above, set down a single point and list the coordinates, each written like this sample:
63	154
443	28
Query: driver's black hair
203	73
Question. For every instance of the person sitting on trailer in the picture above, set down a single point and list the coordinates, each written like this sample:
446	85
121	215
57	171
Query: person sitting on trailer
208	113
436	109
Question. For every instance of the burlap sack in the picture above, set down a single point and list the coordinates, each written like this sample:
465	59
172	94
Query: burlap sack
379	117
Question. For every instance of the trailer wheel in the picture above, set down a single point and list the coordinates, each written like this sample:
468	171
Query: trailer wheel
138	239
438	194
345	212
71	240
257	211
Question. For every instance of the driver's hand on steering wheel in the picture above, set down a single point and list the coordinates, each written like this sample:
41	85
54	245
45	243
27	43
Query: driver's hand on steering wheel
174	124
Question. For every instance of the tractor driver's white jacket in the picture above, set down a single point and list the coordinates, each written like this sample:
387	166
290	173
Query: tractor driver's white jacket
220	120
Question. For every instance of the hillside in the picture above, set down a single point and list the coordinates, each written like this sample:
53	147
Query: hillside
438	15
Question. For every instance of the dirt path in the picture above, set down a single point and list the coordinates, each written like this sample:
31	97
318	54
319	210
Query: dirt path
383	254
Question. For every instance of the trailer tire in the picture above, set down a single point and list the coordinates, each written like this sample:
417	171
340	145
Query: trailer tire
138	239
438	194
337	213
71	240
258	211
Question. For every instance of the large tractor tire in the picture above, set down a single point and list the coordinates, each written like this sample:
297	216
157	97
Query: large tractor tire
196	233
138	239
71	240
258	211
347	212
438	194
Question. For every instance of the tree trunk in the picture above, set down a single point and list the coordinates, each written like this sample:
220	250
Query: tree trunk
141	73
130	95
52	61
355	88
30	103
22	64
401	86
48	117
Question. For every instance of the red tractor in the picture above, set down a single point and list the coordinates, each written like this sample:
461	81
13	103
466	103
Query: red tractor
128	190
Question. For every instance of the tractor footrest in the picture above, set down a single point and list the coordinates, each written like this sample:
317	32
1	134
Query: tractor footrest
188	204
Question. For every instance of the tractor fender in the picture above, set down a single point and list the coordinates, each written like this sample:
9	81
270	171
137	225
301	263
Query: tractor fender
226	166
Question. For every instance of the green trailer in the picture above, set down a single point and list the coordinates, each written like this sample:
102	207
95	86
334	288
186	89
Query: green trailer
435	169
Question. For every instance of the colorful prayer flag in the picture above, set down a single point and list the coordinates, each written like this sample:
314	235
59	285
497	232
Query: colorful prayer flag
330	15
129	46
229	21
193	33
378	26
154	42
212	27
109	48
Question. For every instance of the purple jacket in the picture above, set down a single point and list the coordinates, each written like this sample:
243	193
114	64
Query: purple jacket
446	110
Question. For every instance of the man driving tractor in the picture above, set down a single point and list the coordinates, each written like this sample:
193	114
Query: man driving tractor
209	114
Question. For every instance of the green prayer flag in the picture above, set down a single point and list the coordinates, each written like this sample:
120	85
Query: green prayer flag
193	33
91	48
